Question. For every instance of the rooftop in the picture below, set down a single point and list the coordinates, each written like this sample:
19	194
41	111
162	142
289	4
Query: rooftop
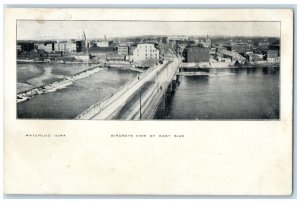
101	49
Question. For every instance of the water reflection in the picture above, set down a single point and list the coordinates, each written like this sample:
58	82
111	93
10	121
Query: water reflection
251	70
270	70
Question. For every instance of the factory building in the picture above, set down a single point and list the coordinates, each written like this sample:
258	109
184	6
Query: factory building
195	54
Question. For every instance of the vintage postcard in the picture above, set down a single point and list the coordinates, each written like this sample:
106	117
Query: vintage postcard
148	101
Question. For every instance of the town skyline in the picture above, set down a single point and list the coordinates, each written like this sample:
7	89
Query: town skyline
47	30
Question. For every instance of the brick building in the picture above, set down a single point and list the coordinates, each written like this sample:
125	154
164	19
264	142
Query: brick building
195	54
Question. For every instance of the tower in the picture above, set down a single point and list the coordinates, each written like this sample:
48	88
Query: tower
83	36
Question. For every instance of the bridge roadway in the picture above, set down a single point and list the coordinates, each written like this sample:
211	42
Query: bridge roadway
110	107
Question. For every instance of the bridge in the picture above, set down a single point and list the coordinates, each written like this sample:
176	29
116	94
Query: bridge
137	99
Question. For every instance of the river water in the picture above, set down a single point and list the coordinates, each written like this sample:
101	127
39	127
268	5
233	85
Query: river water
222	94
67	103
251	93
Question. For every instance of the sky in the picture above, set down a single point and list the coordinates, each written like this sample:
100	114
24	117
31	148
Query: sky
29	30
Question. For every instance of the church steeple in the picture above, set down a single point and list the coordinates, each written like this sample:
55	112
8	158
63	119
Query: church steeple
83	35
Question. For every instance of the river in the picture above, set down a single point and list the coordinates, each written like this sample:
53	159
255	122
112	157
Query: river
251	93
67	103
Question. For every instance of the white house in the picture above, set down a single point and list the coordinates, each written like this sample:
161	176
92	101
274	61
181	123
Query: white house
145	52
70	46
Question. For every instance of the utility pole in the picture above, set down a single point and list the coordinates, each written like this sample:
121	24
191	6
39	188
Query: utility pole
99	97
167	71
99	93
140	105
157	80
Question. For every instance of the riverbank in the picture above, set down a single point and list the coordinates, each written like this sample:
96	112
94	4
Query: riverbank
222	65
53	86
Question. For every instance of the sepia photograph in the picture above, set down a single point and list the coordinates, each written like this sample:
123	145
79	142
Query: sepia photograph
148	70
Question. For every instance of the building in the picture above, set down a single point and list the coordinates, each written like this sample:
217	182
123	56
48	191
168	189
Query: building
102	50
206	43
220	48
102	53
105	43
195	54
47	46
123	50
272	55
232	55
18	46
145	52
60	46
70	46
25	46
81	46
252	57
241	48
263	44
35	54
212	51
163	49
220	58
275	47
